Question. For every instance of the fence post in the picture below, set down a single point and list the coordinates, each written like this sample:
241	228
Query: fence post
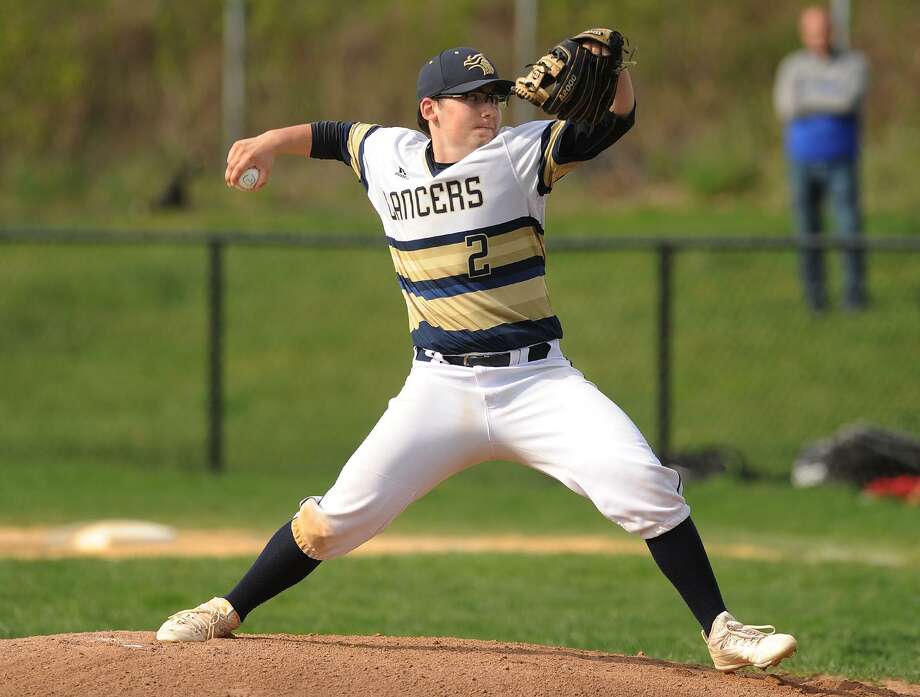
215	356
665	251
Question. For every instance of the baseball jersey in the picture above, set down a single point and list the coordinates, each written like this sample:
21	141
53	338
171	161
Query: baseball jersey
466	239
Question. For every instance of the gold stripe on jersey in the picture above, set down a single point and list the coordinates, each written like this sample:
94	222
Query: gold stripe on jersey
357	134
552	171
453	259
483	309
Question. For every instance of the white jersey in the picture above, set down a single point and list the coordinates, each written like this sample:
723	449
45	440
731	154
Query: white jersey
467	243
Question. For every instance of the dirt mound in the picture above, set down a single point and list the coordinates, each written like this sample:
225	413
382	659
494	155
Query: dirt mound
134	663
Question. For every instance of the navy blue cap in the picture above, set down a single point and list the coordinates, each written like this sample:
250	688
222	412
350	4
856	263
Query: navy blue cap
458	71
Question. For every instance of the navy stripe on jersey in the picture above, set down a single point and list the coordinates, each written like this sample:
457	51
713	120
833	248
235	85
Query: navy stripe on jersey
542	188
506	337
361	157
456	285
454	237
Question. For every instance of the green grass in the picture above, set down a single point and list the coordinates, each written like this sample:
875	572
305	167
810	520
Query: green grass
856	621
102	352
111	143
57	195
491	498
102	404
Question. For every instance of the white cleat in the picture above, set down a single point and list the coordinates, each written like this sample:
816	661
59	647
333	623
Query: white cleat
214	619
733	645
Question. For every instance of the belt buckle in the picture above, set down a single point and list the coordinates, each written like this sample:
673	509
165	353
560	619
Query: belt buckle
433	356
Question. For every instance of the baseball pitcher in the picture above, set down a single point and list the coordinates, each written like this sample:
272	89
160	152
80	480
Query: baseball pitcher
462	205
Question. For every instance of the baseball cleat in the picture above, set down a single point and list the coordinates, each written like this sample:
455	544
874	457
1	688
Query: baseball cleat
214	619
733	645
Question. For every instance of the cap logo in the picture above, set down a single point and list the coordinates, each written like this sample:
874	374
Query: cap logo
479	61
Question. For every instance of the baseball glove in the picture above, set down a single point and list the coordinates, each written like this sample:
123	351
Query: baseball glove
572	83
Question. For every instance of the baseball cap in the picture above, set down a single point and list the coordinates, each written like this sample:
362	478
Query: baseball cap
458	71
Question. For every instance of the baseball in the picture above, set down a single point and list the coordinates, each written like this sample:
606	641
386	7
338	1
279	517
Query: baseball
248	179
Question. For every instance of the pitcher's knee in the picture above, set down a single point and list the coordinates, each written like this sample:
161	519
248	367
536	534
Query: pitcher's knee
317	535
648	502
653	524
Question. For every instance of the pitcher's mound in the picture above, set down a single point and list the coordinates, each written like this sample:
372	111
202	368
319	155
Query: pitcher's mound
134	663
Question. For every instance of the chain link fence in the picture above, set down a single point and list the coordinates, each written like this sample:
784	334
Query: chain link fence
266	352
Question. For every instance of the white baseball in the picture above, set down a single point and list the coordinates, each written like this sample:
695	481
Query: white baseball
248	179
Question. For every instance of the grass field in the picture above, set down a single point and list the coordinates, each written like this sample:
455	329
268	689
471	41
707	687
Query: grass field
491	498
102	366
102	352
849	619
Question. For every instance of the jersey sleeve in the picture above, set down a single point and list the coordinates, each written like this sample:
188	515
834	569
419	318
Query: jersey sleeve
564	144
342	141
526	144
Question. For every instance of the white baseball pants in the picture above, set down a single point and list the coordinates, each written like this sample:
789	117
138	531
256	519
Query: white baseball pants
543	414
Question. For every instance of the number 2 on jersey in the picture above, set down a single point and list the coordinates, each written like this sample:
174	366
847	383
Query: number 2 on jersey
483	252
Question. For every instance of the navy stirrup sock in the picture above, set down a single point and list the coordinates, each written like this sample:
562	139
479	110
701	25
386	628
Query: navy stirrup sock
681	556
281	565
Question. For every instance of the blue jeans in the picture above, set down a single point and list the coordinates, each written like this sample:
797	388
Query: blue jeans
811	184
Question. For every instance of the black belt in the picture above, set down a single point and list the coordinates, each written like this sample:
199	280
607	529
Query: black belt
537	352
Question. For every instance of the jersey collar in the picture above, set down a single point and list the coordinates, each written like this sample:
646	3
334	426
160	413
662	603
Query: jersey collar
435	168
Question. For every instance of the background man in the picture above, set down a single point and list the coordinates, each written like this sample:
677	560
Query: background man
818	94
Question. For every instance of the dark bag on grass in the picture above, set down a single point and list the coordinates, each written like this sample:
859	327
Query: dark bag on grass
857	454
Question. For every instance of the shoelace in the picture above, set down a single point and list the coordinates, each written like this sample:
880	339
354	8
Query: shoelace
747	633
212	623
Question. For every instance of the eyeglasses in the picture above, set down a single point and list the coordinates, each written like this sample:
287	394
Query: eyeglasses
477	98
